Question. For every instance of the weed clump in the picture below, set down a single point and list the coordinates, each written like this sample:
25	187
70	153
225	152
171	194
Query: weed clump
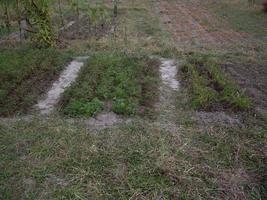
209	88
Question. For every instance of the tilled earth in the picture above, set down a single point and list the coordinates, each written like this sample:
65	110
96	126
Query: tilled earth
252	78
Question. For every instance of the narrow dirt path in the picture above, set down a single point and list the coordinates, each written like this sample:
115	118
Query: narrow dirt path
168	89
67	77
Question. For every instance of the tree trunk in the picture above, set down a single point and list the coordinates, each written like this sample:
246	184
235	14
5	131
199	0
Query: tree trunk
115	11
78	15
19	18
61	14
7	20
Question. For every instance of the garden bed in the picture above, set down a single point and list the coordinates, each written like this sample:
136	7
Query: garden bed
209	89
25	74
113	81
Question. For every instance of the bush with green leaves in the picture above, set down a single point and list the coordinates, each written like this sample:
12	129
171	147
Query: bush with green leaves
38	13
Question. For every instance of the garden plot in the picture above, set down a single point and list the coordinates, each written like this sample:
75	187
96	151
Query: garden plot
123	83
25	74
209	88
66	78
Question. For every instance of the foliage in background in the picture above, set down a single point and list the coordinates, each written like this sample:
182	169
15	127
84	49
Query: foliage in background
38	12
5	8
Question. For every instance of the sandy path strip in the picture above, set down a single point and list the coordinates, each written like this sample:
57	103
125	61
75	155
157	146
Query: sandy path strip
67	77
168	71
168	90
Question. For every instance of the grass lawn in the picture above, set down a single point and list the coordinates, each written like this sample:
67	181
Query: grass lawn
241	16
25	73
54	159
127	82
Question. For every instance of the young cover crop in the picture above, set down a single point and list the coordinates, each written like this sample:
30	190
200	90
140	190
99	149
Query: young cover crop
209	88
127	82
25	73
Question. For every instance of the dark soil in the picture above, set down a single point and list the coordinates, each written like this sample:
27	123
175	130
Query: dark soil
252	78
